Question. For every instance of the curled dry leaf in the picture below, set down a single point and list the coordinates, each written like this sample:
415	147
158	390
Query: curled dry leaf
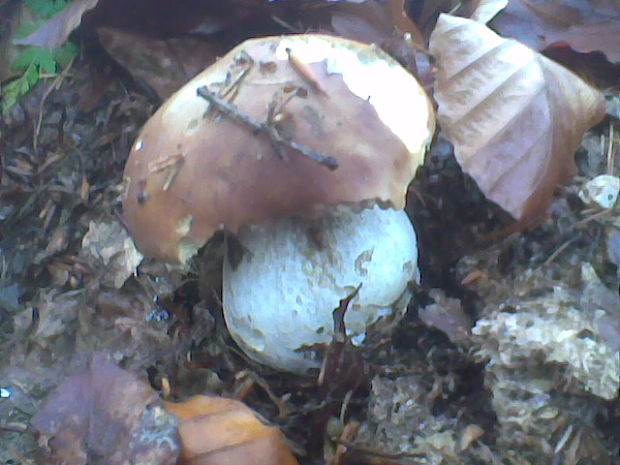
106	415
220	431
343	369
586	25
107	247
515	117
486	10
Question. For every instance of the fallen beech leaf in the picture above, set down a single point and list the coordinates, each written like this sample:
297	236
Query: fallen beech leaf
108	247
586	25
385	24
220	431
486	10
369	22
164	64
515	117
54	32
108	416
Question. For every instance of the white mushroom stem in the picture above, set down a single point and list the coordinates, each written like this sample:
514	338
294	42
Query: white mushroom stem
294	273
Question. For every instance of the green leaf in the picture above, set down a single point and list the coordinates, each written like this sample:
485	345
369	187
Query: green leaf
45	61
38	56
34	61
32	76
8	100
12	91
66	53
45	9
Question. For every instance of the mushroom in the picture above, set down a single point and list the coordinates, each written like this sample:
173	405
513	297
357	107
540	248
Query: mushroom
304	145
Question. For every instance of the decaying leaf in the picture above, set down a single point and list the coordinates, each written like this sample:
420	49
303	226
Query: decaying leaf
515	117
486	10
561	330
54	32
369	22
109	245
550	359
343	369
57	312
108	416
401	421
447	315
165	64
385	24
586	25
220	431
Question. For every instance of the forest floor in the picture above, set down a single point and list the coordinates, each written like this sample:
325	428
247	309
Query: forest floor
508	353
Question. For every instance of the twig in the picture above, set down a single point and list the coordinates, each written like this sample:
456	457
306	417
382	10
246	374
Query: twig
172	164
595	216
305	71
232	84
399	457
247	62
233	112
14	427
611	153
53	86
559	250
229	109
286	25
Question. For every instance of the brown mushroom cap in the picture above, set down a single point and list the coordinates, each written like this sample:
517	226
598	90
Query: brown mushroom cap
192	171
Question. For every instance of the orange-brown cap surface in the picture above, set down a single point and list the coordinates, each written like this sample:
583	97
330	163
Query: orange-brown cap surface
195	170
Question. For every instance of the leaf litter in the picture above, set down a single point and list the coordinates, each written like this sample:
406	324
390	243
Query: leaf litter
543	303
105	412
585	25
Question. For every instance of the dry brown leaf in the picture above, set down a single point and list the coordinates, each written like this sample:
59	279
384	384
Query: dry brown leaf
54	32
385	24
107	247
343	369
586	25
486	10
515	117
108	416
383	17
164	64
447	315
220	431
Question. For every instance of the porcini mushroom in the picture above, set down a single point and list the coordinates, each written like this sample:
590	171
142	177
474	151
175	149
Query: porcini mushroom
289	141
